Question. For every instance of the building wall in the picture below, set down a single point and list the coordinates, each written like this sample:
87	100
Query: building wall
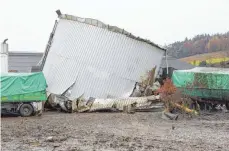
23	61
97	61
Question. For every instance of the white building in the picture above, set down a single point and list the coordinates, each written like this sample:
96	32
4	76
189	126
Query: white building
22	61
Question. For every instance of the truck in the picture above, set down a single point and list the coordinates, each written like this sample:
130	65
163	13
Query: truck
23	93
206	85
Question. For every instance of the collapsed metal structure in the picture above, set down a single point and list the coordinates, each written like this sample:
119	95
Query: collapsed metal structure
86	56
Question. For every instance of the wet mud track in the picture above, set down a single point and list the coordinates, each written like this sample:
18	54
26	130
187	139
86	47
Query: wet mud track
114	131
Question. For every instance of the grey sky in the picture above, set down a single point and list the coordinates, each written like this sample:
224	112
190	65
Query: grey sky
28	23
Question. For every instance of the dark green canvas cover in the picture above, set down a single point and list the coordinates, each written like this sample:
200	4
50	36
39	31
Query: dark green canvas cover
23	87
203	82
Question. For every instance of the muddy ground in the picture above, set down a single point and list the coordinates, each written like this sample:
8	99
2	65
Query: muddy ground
114	131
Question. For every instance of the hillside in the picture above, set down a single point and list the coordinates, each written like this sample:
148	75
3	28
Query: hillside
200	44
208	58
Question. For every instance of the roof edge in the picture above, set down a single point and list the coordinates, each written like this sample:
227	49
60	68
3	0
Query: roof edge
100	24
22	53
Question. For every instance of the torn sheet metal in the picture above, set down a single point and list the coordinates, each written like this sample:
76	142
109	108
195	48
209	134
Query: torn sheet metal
60	102
99	61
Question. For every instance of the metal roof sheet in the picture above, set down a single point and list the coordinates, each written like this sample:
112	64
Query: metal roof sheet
25	53
100	62
100	24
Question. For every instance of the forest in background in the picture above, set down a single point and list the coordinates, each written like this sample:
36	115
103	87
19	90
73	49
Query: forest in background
199	44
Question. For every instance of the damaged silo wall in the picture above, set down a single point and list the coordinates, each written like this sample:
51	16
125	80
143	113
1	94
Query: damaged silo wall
96	61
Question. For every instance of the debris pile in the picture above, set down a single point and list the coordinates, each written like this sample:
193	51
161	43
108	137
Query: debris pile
141	99
128	105
147	96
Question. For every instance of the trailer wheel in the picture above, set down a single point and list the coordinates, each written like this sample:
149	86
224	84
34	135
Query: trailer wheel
26	110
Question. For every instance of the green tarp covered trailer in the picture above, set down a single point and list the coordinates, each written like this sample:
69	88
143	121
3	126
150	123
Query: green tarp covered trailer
203	82
23	87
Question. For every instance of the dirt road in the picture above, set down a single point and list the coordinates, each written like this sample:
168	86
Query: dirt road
114	131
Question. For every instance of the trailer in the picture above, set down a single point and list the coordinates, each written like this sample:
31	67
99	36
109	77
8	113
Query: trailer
23	93
207	86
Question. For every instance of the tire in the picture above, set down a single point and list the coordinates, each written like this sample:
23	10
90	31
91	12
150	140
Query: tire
26	110
227	105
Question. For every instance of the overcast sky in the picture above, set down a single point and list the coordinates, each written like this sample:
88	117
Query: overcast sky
28	23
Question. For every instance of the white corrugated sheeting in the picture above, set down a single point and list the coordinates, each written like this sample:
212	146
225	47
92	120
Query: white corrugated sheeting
99	61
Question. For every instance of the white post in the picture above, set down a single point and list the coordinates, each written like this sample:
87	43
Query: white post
167	68
4	57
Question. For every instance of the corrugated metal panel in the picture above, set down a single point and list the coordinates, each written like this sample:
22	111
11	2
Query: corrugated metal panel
100	24
99	61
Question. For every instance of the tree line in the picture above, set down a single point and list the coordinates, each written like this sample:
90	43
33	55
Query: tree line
199	44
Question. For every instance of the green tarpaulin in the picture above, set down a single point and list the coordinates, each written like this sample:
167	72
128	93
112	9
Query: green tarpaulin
23	87
203	82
